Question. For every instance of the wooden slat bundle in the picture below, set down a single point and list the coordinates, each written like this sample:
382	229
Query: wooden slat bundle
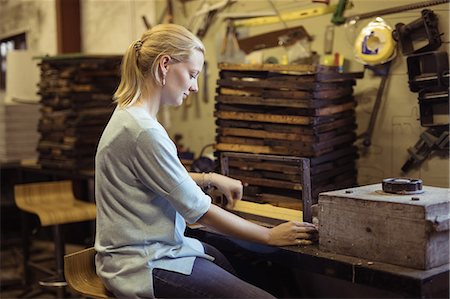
76	102
286	111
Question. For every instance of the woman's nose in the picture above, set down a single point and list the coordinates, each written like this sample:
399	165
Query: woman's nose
194	87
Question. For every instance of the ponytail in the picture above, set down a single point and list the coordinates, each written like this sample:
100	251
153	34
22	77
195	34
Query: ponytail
132	79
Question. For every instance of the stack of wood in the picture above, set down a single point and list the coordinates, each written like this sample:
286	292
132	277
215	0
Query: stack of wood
76	98
286	111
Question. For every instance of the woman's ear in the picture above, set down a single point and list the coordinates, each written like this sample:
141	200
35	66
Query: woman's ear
163	68
164	63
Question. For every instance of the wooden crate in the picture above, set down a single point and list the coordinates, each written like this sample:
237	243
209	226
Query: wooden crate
272	181
292	111
406	230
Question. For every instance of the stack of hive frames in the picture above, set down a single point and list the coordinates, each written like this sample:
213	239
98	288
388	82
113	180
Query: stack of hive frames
289	110
76	99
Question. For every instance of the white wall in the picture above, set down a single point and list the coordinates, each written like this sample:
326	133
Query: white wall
109	26
37	18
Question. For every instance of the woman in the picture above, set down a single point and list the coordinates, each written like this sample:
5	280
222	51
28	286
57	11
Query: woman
145	196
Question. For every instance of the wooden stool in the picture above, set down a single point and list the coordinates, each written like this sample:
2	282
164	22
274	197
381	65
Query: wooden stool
55	205
79	270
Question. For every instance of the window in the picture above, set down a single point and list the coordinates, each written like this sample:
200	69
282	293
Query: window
16	42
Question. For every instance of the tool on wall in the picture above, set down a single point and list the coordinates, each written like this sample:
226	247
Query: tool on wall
382	70
375	48
428	74
374	44
426	27
205	15
271	39
431	140
167	14
339	19
289	16
205	83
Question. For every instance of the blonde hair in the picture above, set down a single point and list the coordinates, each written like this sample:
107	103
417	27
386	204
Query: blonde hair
141	60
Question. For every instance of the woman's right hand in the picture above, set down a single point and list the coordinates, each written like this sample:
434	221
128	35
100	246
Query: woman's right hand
293	233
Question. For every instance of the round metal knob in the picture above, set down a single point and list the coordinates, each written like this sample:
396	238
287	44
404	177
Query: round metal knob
402	185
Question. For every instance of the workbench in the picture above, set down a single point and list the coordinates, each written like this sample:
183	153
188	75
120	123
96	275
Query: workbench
310	272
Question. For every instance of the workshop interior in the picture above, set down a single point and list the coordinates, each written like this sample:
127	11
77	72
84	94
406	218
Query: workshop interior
333	112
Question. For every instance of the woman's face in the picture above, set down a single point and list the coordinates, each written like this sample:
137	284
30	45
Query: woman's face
181	79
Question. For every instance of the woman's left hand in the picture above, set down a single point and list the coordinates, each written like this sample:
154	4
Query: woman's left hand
231	188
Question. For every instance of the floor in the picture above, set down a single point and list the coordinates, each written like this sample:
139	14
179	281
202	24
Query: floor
11	274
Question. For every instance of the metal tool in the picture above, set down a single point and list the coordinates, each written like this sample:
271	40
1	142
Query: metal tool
425	27
205	83
367	135
204	17
377	13
402	185
431	140
288	16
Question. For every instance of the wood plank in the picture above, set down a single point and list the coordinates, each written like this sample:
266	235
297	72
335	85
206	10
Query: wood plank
249	100
266	174
268	67
346	122
289	119
265	134
282	201
281	102
334	155
301	94
267	210
262	165
268	182
239	91
265	84
226	147
332	109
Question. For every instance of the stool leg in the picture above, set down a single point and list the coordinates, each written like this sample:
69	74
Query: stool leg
25	248
59	254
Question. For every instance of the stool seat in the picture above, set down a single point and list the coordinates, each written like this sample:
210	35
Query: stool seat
55	205
53	202
79	270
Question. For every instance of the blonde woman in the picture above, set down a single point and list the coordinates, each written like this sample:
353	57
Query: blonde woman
145	196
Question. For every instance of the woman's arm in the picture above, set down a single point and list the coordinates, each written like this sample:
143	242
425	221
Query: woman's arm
288	233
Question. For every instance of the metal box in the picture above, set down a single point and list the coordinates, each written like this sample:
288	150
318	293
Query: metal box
405	230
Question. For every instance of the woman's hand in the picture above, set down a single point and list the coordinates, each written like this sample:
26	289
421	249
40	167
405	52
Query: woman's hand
293	233
231	188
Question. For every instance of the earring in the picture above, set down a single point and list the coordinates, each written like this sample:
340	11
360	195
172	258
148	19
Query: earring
164	81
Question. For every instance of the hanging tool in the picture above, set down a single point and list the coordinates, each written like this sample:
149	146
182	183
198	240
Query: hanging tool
205	16
205	83
288	16
146	22
383	70
339	20
271	39
431	140
375	45
230	42
426	27
338	15
167	14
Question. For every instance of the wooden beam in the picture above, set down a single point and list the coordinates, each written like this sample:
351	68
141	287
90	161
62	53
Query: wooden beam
68	26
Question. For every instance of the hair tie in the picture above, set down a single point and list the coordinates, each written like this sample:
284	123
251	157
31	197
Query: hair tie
138	45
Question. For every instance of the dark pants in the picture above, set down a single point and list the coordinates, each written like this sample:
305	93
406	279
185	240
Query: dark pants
208	280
